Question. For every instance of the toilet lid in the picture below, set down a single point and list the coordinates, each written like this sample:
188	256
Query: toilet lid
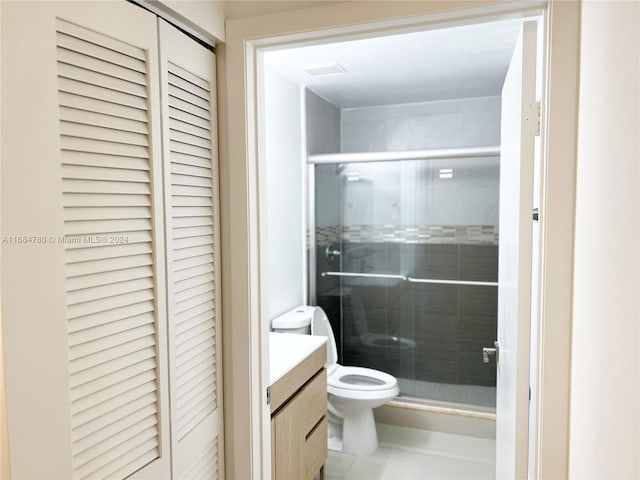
320	326
361	379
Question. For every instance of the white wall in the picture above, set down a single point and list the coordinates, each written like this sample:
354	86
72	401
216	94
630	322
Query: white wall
323	136
206	18
323	124
284	194
605	391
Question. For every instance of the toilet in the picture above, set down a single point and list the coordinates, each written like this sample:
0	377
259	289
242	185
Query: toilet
353	391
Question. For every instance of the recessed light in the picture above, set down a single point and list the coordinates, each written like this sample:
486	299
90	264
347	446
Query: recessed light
446	173
325	69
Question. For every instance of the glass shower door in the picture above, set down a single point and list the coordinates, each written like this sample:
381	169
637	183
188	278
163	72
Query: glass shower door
406	268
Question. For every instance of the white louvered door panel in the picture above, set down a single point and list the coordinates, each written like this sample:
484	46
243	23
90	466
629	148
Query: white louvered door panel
192	239
114	282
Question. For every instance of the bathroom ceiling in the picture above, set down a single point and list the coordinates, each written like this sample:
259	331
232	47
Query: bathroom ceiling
458	62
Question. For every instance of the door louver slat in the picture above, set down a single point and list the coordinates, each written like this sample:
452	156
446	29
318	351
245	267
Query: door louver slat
91	77
190	149
106	278
101	93
186	95
101	107
106	161
110	277
101	331
197	231
188	118
107	134
194	281
88	117
104	384
204	346
182	266
191	313
81	200
90	38
82	375
85	431
140	416
178	76
205	466
185	127
70	53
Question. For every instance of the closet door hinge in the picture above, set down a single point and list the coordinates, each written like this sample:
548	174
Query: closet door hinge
539	118
268	395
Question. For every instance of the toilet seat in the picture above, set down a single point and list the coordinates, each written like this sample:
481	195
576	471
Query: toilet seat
360	379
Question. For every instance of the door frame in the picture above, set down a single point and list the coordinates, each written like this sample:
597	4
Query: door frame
246	356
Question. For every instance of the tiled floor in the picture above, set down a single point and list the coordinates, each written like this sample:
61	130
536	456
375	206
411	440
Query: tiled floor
407	454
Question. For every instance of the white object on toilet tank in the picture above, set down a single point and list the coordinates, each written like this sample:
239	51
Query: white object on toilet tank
297	320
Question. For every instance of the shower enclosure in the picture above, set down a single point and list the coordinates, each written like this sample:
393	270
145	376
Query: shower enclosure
404	260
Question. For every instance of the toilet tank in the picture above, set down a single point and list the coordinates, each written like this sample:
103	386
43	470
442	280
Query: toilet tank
297	320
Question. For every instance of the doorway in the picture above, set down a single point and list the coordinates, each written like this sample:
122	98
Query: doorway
400	237
242	167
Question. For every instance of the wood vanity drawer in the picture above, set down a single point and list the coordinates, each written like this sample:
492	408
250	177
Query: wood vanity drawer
284	388
314	400
315	449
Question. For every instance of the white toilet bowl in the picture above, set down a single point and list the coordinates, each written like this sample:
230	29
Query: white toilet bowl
353	393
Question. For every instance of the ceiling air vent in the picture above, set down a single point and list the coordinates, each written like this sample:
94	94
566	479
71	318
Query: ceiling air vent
325	69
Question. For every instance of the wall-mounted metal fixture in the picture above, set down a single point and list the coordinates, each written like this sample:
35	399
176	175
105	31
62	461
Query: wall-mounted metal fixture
332	252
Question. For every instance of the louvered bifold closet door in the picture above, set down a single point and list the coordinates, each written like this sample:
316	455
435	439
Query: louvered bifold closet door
192	239
111	185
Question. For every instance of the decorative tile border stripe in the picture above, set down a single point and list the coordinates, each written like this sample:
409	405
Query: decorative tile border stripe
440	234
327	235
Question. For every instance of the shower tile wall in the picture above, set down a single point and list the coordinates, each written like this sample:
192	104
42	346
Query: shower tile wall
449	324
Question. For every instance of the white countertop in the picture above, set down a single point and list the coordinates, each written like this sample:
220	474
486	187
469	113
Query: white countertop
286	350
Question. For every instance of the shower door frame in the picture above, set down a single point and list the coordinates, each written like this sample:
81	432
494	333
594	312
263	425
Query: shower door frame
242	165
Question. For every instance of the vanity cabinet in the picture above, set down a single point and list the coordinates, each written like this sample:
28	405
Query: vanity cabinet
299	421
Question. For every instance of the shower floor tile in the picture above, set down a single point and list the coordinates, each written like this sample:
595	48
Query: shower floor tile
397	461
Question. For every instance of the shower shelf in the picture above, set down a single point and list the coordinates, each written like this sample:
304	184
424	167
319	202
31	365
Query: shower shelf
441	153
409	279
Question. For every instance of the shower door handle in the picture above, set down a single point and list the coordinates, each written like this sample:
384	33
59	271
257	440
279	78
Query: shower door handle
488	353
